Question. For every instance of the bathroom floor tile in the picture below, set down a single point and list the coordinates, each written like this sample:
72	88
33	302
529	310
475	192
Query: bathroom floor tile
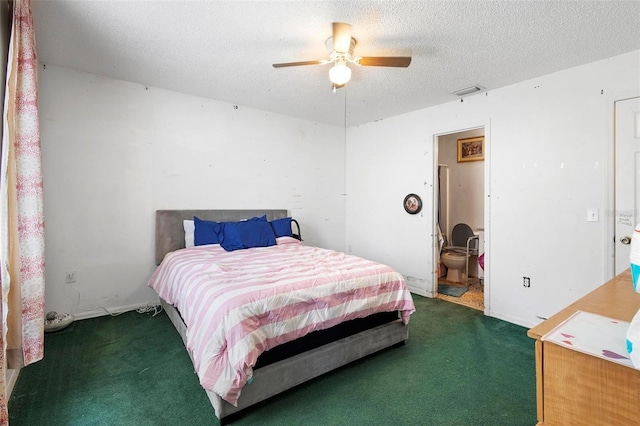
474	298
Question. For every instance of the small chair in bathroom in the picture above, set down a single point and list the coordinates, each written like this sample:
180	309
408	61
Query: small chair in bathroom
464	243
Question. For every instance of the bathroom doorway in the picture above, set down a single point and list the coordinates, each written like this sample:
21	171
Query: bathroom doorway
459	198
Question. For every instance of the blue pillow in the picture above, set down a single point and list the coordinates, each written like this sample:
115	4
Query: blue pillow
207	232
282	227
255	232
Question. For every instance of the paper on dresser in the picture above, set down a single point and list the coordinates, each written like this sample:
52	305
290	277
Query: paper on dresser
594	335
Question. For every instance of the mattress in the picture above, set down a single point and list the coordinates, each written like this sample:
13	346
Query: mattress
237	305
320	338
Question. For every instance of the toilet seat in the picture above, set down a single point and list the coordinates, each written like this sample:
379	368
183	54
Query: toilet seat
453	255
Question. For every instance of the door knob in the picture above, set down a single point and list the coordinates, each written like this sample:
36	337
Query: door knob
625	240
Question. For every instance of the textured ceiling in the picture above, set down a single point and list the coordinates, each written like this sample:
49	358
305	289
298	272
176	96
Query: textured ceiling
223	50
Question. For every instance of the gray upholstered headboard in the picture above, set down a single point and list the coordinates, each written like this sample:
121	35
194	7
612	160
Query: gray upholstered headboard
170	230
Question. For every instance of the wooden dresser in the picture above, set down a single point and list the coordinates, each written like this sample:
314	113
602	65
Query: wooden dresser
573	388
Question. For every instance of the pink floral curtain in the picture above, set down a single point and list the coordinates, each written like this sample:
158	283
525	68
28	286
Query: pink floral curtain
21	208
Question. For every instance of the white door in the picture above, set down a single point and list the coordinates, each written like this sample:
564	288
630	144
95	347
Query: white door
627	178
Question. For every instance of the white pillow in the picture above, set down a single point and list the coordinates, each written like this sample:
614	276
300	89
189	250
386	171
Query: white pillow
287	240
189	230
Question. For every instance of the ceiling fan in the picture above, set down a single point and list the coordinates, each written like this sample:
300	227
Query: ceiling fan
341	46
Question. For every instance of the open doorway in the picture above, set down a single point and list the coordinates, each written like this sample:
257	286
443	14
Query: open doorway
459	222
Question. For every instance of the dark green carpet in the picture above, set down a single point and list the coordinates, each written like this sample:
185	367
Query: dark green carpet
458	368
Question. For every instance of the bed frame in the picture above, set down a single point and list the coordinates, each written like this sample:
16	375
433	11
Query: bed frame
274	378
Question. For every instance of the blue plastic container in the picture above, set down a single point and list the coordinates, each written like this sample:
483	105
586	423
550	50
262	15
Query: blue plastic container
635	275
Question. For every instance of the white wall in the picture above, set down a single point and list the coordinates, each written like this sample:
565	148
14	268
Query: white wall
548	143
114	152
466	182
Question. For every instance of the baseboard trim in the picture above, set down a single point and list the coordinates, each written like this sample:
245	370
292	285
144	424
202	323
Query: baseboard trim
509	318
419	292
113	310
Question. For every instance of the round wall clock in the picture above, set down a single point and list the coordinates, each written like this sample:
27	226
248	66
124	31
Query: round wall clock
412	204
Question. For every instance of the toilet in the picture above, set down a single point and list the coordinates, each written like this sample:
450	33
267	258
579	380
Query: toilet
455	263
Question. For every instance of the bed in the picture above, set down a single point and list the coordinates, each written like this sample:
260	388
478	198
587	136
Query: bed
284	363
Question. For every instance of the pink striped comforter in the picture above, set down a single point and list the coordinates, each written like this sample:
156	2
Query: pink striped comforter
238	304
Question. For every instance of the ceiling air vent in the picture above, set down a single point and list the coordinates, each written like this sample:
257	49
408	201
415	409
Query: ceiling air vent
468	90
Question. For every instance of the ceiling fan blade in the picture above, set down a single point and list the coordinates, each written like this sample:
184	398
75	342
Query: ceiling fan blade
341	37
296	64
384	61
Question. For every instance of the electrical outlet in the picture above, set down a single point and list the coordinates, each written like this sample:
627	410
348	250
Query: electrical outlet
526	281
70	277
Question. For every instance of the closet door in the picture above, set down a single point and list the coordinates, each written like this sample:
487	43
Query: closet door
627	179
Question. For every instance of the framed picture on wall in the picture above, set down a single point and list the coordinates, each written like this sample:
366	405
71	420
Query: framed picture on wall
471	149
412	204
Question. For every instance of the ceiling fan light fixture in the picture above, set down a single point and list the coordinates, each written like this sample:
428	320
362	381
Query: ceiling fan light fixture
340	73
341	46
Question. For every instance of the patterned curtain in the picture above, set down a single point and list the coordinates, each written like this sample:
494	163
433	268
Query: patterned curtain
21	209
